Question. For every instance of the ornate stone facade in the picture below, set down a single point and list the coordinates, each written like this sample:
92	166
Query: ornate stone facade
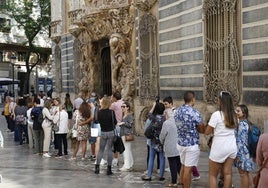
97	20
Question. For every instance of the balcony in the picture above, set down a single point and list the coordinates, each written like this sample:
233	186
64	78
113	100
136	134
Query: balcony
80	9
56	28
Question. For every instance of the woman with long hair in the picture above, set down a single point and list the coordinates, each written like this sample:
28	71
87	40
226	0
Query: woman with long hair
68	105
82	114
127	127
223	149
156	115
47	126
243	161
107	122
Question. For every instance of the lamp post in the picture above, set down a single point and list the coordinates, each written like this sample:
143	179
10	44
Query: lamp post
13	58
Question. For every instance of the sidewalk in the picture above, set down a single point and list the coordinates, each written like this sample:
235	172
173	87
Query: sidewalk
20	168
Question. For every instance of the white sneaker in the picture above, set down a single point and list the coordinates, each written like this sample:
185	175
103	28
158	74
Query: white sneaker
46	155
103	162
115	162
195	178
123	169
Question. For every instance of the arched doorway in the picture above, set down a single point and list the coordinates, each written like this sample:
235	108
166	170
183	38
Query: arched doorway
106	77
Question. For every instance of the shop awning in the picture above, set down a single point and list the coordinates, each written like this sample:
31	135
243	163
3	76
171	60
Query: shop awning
8	81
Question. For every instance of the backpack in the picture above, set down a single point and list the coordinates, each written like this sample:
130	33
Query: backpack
253	137
150	131
20	119
38	120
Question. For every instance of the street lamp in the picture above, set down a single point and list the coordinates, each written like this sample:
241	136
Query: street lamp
13	58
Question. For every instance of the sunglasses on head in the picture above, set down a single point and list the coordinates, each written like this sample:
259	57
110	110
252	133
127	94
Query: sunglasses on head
224	92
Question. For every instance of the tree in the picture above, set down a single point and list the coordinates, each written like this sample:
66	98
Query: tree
32	16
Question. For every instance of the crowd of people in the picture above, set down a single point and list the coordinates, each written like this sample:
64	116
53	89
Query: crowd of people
44	123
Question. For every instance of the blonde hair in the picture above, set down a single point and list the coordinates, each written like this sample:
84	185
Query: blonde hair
105	103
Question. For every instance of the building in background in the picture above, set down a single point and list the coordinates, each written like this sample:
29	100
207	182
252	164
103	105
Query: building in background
148	48
12	56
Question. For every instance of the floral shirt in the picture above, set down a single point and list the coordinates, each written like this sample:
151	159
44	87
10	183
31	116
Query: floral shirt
243	159
187	118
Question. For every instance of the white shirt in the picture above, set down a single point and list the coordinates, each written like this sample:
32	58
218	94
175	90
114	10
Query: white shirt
62	116
224	141
29	118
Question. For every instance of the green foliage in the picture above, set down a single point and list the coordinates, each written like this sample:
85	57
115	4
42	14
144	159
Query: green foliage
31	15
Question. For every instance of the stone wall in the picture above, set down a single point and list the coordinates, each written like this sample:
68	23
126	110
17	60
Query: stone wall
180	48
255	52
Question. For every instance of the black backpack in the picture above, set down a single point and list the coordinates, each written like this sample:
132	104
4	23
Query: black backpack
38	120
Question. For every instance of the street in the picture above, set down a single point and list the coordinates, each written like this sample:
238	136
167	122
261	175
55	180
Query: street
20	168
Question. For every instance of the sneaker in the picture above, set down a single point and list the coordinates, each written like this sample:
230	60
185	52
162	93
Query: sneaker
161	179
146	178
145	172
172	185
123	169
83	158
46	155
195	178
93	157
103	162
167	170
58	156
115	162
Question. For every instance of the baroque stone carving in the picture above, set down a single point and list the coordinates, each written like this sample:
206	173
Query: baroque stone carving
222	63
145	5
116	24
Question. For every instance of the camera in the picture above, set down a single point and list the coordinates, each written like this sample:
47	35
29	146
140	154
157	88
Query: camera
157	98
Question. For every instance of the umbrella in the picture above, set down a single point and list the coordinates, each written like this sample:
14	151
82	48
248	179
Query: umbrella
8	81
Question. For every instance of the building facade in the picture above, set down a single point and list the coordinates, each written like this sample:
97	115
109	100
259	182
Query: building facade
163	48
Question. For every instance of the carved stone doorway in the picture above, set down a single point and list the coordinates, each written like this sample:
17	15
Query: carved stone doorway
105	71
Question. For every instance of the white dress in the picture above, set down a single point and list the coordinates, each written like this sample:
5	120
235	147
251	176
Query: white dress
224	141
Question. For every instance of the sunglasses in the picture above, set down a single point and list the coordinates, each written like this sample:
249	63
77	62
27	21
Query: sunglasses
123	106
224	92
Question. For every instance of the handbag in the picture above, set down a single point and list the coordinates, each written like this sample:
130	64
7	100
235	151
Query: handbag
94	132
256	178
117	140
129	137
55	126
118	145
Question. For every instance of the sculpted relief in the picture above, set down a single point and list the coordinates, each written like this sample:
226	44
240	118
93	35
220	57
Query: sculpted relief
116	25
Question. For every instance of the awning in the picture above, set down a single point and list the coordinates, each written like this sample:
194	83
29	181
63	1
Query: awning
8	81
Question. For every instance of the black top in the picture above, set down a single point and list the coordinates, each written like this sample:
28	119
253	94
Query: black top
105	120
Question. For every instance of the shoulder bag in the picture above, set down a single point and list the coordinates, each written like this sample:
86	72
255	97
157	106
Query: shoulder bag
118	142
56	126
256	178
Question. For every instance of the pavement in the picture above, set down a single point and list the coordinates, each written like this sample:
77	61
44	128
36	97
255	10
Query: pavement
20	168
